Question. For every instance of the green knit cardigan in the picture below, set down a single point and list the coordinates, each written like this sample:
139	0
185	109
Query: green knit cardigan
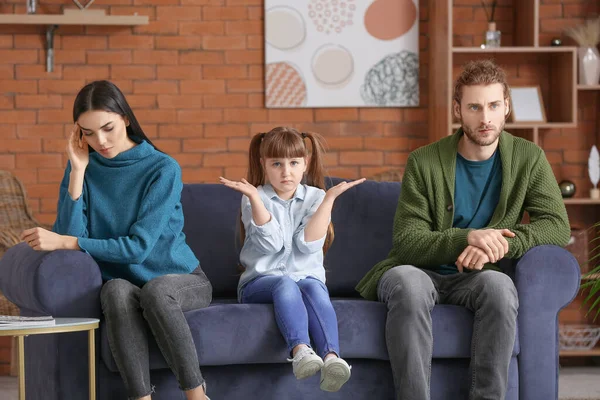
423	234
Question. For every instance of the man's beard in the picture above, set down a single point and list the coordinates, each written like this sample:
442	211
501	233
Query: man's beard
475	137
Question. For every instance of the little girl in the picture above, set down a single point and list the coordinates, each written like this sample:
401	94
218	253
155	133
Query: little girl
286	230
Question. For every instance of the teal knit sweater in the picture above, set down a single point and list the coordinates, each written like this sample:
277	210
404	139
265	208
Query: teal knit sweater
129	216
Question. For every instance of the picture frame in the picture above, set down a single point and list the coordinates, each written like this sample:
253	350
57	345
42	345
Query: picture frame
527	104
316	53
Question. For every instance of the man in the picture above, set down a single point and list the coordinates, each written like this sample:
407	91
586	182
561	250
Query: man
459	213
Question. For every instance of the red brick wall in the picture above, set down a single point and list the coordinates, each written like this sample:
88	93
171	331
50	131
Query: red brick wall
5	355
194	77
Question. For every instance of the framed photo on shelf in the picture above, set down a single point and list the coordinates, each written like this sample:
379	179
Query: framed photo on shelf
527	104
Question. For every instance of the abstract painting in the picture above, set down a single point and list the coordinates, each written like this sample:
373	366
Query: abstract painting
341	53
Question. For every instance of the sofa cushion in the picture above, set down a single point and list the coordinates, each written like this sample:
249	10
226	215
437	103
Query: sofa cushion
231	333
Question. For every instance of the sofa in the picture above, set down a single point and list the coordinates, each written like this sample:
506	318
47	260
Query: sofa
241	352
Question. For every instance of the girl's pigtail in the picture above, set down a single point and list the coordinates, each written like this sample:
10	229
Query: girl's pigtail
255	173
315	175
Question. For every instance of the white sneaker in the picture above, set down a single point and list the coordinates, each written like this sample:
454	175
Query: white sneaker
306	363
334	374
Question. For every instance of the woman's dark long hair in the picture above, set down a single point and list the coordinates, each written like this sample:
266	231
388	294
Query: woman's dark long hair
106	96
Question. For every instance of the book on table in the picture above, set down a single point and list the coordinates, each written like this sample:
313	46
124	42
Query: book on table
17	320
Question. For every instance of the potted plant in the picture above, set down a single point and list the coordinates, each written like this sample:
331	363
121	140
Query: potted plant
592	278
584	336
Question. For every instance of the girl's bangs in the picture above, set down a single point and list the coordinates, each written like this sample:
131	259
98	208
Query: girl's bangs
284	145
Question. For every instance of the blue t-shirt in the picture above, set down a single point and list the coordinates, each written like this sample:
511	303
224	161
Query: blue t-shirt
476	193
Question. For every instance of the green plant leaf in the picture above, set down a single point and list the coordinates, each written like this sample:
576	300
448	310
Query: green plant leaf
593	306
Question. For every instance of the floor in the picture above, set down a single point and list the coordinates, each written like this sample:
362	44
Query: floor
576	383
9	388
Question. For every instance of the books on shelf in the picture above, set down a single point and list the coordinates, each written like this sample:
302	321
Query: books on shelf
15	320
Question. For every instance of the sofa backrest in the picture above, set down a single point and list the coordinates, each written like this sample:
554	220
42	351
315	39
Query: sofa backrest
362	217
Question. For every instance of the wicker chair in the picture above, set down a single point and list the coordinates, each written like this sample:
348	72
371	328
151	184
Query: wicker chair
15	216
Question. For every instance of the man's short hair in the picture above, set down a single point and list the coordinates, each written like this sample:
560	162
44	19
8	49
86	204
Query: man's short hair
480	72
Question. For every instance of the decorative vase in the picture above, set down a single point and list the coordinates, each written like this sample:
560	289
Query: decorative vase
31	6
589	65
492	36
567	189
595	193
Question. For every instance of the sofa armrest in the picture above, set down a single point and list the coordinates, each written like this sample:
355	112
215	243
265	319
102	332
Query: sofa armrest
62	283
547	279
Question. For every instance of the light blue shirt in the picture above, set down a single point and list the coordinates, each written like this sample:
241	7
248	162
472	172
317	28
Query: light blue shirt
278	247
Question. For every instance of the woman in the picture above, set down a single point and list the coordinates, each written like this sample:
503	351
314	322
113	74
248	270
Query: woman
120	202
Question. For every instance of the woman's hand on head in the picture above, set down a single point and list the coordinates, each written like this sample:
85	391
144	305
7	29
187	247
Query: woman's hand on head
242	186
340	188
44	240
77	150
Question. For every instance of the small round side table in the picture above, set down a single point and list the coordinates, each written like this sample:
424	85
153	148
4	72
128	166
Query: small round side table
61	325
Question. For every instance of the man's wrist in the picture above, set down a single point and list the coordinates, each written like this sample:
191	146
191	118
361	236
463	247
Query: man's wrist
469	231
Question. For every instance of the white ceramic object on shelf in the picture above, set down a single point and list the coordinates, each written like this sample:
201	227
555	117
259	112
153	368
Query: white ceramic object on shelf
589	65
31	6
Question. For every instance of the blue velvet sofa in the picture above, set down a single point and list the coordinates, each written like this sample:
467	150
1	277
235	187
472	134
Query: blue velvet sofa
241	351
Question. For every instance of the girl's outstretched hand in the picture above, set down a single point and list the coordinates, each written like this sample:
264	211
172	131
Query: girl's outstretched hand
243	187
341	187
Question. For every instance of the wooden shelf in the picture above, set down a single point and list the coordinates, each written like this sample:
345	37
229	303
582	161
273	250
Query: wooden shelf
74	18
70	17
580	353
557	66
588	87
531	125
585	201
515	49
